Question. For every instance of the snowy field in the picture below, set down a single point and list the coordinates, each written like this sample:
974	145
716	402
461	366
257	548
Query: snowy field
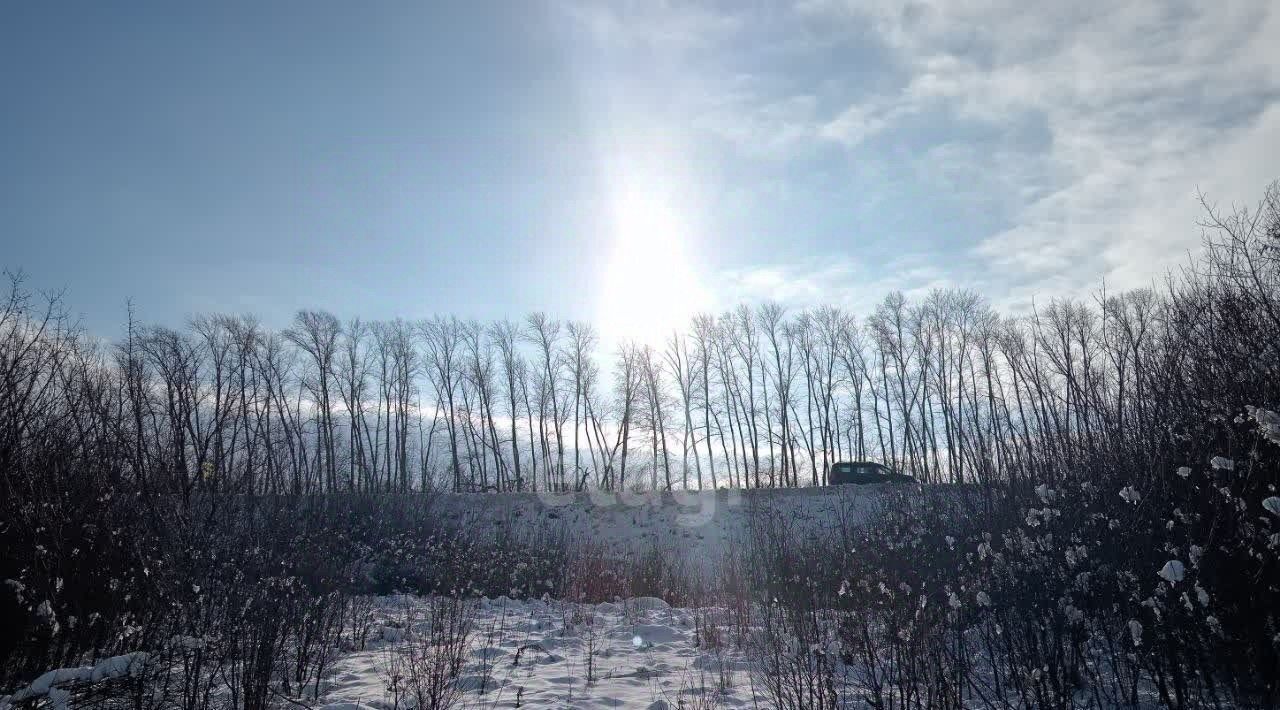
504	653
638	653
699	524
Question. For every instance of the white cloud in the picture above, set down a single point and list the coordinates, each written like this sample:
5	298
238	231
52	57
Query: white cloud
833	280
755	123
1143	103
862	121
1133	108
652	25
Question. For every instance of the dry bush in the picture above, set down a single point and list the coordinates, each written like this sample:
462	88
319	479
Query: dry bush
424	671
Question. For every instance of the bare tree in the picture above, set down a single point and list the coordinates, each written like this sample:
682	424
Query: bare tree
581	345
627	391
316	334
443	357
781	336
687	374
506	336
655	399
544	333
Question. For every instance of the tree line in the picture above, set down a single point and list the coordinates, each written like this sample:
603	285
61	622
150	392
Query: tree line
941	386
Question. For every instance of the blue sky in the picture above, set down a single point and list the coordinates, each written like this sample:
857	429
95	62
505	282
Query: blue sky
624	163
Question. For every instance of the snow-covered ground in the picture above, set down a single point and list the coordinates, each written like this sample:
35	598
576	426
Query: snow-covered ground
701	524
634	653
638	653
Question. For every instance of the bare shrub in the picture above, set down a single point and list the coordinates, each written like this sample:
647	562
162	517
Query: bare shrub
425	669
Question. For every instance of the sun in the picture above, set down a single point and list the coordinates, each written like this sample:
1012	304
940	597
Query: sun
650	286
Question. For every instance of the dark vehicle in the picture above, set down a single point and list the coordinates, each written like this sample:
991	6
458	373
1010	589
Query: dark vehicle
862	472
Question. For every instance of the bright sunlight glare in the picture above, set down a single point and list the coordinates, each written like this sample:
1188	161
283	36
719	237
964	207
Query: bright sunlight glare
650	286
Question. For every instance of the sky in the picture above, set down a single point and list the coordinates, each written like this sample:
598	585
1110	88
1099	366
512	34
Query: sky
625	163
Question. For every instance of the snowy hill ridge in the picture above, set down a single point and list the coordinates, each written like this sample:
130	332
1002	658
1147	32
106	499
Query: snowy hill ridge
703	522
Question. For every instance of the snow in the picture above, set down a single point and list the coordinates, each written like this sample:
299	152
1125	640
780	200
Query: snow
648	604
639	652
701	525
59	698
1172	572
1222	463
1268	421
52	684
1272	505
1045	493
17	587
1135	630
45	612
